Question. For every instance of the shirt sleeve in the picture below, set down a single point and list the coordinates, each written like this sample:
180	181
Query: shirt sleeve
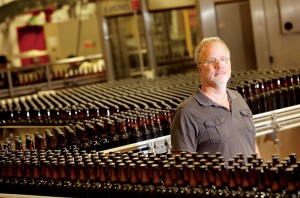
183	131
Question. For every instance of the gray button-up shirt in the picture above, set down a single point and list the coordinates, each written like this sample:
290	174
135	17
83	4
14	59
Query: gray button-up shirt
201	125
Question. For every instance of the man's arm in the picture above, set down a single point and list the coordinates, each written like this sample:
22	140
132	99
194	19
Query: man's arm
183	134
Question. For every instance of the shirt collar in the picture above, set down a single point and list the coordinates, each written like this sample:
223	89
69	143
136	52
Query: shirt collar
206	101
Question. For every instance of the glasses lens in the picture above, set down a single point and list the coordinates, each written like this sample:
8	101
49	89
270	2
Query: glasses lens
213	61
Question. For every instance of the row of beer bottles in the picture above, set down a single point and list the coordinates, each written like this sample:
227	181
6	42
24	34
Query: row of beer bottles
82	174
88	69
265	92
101	133
50	115
53	109
262	91
21	78
65	105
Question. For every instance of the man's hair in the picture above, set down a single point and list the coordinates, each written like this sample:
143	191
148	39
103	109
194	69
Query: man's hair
203	43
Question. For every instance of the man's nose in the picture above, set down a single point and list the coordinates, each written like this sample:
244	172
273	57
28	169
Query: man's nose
218	64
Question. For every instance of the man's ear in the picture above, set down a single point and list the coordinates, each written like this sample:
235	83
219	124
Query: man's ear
198	68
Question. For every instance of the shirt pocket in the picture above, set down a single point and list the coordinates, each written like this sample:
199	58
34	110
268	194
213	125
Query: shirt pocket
247	117
217	130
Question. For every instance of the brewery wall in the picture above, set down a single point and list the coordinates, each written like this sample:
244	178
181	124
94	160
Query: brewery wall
72	37
263	34
254	30
274	43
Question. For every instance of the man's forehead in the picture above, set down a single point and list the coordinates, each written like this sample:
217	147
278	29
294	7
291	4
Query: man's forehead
206	50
